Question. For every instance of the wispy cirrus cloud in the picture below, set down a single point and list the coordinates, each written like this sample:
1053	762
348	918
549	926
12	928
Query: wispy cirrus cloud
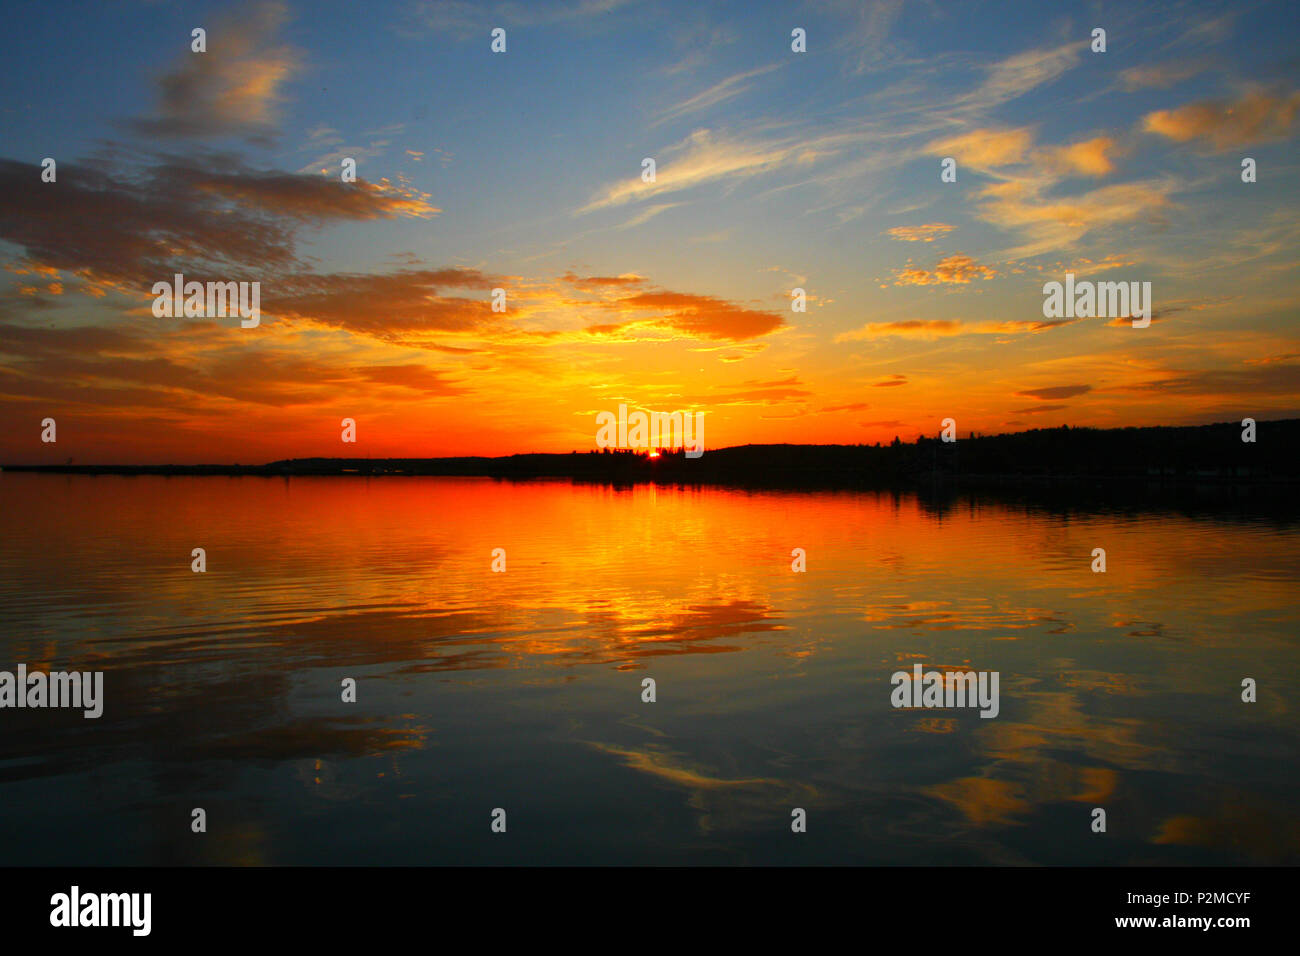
706	157
758	392
465	18
328	149
865	34
1022	73
724	90
1056	391
597	282
1055	223
930	329
926	233
909	328
1158	76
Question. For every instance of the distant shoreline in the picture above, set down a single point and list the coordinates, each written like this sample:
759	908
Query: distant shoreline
1203	454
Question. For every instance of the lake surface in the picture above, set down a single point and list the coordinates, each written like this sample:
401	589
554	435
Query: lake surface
522	690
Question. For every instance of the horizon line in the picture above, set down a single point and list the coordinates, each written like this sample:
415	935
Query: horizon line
641	451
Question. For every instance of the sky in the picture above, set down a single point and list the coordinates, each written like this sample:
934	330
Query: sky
522	170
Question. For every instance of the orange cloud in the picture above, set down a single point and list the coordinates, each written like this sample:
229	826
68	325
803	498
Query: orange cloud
1089	158
956	269
699	315
1256	117
913	328
387	306
984	149
936	328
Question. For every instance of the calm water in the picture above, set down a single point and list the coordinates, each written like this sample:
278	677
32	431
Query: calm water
522	690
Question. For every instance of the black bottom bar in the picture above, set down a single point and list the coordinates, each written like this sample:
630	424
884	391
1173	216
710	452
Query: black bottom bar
655	907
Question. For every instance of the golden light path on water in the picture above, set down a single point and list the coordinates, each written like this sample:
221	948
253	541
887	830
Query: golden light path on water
523	689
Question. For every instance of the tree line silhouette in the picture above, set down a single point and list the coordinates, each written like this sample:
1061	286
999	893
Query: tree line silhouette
1200	453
